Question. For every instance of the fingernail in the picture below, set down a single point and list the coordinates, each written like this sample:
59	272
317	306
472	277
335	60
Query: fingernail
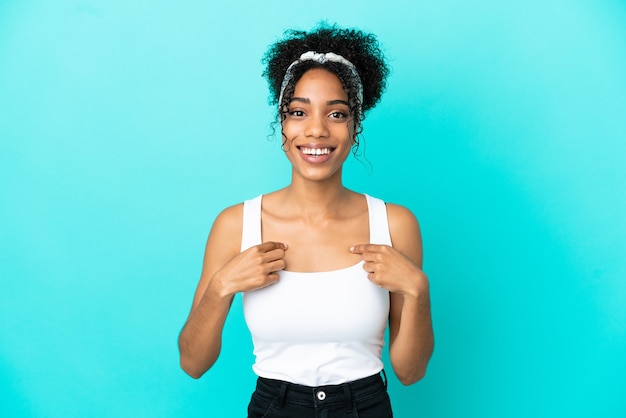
352	249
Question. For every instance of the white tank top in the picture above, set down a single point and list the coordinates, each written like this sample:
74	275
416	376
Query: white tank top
320	328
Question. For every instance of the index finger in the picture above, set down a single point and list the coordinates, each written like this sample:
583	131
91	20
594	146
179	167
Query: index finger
272	245
365	248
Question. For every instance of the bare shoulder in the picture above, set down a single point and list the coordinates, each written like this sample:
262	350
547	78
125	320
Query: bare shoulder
226	231
231	217
223	244
405	231
402	221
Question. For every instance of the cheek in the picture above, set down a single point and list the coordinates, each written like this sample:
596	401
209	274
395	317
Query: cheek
351	132
285	136
288	131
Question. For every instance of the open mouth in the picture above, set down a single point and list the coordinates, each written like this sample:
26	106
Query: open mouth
316	152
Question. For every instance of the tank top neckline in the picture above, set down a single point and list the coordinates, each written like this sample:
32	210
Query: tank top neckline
377	223
341	269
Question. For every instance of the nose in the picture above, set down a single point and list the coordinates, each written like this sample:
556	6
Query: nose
316	127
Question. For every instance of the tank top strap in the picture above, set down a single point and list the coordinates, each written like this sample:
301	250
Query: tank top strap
251	231
379	224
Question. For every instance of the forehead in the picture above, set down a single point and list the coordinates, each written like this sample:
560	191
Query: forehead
320	81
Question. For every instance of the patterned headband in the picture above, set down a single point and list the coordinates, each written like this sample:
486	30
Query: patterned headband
322	58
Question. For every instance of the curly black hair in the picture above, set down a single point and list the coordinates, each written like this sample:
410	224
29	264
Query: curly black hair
360	48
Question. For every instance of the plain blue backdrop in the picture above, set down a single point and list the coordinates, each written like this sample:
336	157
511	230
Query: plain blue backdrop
126	126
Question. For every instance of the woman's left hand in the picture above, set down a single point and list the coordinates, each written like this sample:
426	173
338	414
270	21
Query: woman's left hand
392	270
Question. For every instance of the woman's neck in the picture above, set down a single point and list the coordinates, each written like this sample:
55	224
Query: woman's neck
315	200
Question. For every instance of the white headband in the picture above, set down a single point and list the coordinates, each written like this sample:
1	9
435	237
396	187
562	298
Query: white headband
322	58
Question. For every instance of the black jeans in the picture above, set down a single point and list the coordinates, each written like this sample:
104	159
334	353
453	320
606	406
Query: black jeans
363	398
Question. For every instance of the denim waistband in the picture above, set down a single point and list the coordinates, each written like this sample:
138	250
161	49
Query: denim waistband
325	395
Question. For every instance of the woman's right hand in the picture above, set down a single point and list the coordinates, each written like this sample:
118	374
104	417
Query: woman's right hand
251	269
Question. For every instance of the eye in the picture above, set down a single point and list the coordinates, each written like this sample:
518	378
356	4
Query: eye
296	113
338	115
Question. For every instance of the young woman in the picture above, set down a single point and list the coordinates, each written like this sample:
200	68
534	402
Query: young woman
322	269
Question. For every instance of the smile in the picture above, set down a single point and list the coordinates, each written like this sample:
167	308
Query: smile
316	151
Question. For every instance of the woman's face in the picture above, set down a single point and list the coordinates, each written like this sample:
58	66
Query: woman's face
318	129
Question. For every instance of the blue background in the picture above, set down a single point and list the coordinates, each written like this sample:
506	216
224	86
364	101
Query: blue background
126	126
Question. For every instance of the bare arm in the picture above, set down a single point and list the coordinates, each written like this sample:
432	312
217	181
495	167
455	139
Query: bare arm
398	269
225	272
410	326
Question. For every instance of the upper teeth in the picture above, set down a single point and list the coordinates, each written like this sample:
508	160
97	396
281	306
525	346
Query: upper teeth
315	151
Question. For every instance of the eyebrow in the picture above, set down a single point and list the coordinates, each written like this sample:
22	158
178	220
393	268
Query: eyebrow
308	101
